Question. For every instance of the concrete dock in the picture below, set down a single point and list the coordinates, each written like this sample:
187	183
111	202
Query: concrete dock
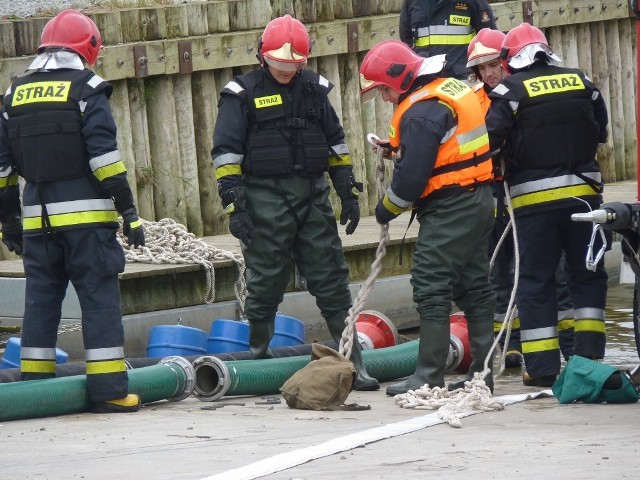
249	437
191	440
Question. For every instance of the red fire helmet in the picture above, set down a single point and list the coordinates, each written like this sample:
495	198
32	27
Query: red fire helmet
285	44
74	31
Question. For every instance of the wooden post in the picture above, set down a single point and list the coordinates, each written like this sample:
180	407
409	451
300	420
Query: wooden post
168	191
628	91
355	137
141	148
110	26
606	156
570	46
616	100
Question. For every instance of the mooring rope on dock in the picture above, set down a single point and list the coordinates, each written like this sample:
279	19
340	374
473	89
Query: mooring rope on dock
169	242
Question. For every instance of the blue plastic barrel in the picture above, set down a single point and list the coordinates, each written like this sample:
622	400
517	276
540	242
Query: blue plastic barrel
289	332
228	336
176	340
11	357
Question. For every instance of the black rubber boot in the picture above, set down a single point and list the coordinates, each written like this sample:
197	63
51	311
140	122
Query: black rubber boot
364	382
260	334
432	359
480	341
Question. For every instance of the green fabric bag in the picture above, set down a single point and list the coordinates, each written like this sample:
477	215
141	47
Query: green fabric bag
583	380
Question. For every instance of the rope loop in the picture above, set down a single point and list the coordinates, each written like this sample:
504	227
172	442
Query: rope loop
169	242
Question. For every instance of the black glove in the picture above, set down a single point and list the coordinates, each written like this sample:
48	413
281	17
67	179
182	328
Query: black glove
350	211
347	189
240	225
132	228
383	216
12	234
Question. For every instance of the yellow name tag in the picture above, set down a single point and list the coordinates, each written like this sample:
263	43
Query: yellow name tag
269	101
459	20
553	84
453	88
41	92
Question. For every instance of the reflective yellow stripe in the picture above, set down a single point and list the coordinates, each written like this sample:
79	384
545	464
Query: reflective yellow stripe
227	170
474	145
10	181
392	207
345	160
109	170
135	224
498	325
444	40
566	324
552	195
38	366
540	345
68	219
108	366
592	326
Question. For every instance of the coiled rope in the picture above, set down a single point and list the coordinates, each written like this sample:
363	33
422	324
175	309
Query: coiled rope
169	242
475	395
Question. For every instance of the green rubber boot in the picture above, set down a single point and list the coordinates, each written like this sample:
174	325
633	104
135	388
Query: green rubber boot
364	382
260	334
433	351
480	341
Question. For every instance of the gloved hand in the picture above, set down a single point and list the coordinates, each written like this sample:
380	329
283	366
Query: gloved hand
12	234
383	215
350	212
347	189
132	228
387	151
240	225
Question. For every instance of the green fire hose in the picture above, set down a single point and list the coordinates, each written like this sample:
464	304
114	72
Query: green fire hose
173	379
215	378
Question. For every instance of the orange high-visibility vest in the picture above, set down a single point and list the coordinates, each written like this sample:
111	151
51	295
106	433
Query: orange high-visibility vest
463	159
483	96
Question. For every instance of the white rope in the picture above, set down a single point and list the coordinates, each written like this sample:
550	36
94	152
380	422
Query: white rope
346	342
475	395
450	404
512	311
169	242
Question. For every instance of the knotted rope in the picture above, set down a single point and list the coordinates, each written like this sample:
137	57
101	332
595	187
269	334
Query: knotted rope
346	342
169	242
450	404
475	395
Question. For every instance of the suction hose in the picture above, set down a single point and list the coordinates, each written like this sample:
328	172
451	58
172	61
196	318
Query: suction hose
215	378
8	375
171	379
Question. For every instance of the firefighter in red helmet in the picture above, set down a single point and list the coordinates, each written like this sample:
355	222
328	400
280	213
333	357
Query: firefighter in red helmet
548	120
275	137
443	174
58	133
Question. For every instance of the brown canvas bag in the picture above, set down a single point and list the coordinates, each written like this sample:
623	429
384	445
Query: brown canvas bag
324	384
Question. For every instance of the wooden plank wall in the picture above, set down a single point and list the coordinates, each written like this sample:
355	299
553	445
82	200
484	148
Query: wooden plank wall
166	118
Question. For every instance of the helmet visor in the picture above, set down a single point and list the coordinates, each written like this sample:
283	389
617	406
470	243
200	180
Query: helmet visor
368	89
369	95
285	65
